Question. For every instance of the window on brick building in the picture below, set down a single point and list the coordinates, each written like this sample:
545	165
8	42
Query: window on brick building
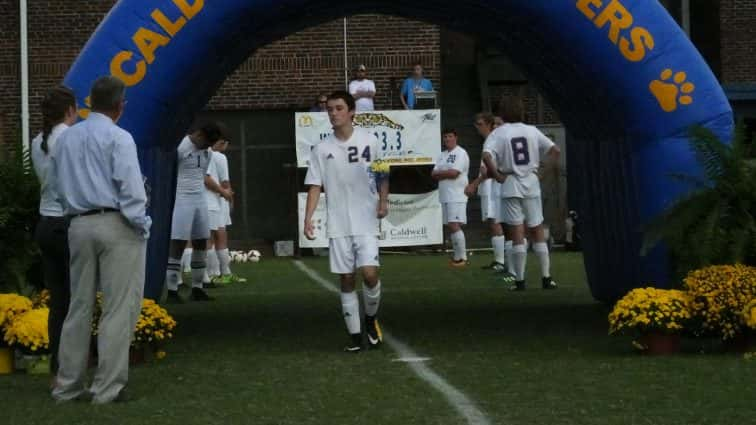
700	20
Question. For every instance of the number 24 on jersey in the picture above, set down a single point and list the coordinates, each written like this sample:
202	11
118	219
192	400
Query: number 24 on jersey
354	156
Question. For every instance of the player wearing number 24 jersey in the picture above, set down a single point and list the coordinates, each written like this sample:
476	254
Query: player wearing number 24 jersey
355	201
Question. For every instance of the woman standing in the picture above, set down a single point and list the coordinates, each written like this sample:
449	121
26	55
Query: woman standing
58	113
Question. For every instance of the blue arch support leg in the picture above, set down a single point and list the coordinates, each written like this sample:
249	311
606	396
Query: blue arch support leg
625	79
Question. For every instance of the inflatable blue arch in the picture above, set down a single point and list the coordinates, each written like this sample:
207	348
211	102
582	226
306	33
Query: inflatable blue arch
624	78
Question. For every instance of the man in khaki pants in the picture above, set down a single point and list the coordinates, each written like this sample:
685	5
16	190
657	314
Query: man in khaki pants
98	178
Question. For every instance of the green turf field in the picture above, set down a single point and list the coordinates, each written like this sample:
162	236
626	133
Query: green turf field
269	352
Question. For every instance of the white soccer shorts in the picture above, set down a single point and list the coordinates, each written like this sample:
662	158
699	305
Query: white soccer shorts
190	220
454	212
225	213
516	211
490	210
349	253
215	219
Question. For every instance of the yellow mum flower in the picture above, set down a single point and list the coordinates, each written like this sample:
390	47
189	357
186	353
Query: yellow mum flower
29	330
650	309
380	167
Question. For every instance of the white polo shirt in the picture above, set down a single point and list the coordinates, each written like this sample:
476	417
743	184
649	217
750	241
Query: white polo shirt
49	200
342	168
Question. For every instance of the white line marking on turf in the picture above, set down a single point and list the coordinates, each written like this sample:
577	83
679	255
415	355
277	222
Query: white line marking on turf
461	403
412	359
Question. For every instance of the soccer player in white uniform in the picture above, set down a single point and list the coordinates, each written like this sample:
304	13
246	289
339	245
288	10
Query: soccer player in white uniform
190	213
517	149
218	257
489	191
355	202
451	171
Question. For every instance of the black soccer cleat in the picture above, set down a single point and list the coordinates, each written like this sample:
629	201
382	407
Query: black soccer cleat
373	331
517	286
173	297
495	265
548	283
355	344
200	295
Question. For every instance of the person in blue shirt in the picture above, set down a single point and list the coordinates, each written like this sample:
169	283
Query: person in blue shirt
96	174
413	84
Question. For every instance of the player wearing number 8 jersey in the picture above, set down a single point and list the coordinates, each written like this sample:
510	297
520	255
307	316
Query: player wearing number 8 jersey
518	148
355	202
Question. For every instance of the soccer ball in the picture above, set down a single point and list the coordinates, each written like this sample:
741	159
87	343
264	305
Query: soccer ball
253	256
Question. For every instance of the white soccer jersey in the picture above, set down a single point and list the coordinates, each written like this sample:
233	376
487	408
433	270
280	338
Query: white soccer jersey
192	167
453	190
342	168
518	149
489	187
214	171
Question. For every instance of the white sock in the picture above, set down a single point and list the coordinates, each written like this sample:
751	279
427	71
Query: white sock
542	252
519	258
172	274
198	268
498	243
186	260
508	255
458	243
350	307
213	268
205	278
372	299
224	258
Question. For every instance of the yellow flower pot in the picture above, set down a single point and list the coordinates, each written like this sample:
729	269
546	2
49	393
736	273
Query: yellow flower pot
6	361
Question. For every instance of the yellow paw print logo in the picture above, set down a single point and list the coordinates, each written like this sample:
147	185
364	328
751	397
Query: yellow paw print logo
670	94
84	112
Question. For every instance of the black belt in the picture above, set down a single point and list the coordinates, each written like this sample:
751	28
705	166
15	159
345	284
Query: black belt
97	211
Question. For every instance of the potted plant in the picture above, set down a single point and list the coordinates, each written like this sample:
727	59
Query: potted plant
655	316
716	222
11	306
27	332
154	327
721	295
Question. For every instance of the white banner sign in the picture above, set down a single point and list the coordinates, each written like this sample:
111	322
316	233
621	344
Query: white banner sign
412	220
405	137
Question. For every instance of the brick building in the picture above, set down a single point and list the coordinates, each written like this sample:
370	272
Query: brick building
287	75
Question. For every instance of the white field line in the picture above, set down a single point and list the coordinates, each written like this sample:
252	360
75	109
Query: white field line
456	398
